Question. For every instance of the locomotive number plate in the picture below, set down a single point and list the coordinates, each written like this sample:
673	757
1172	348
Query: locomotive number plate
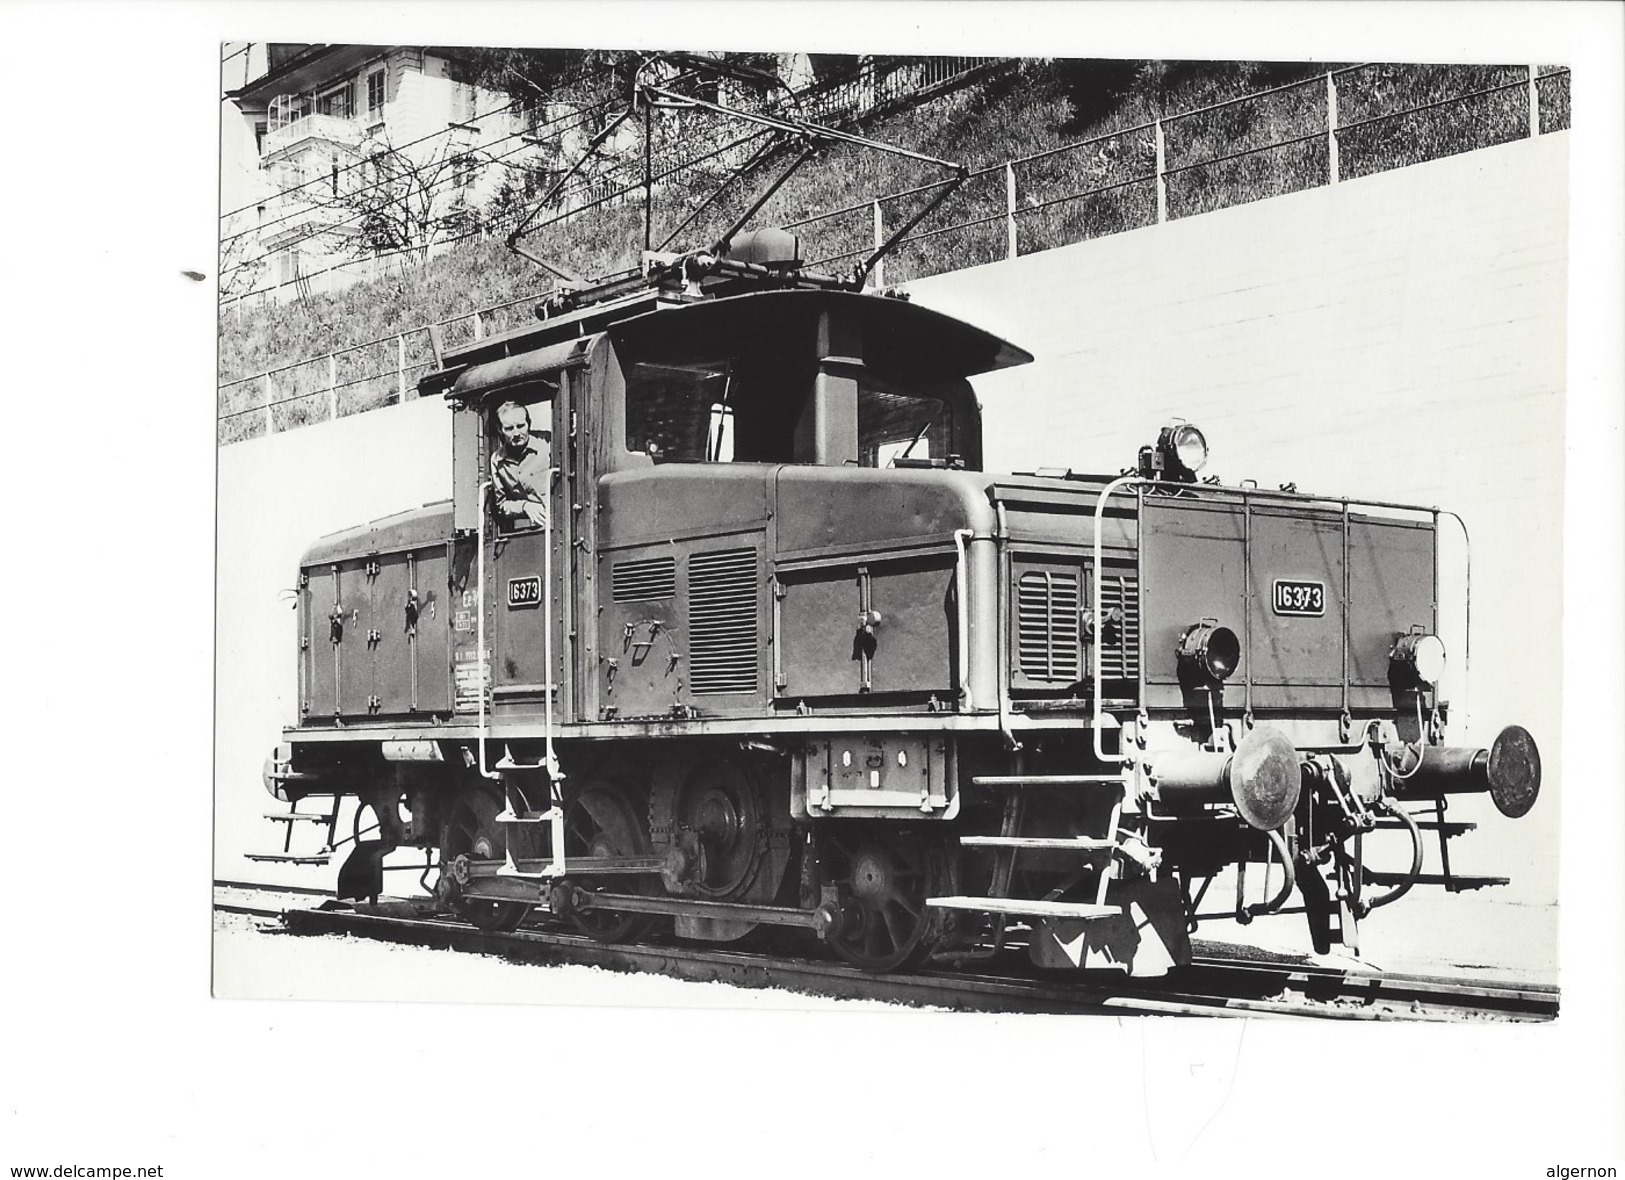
1299	598
524	591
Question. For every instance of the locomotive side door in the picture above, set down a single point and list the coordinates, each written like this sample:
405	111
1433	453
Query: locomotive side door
353	612
410	653
319	642
519	430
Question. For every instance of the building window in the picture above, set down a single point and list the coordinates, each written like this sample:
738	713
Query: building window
259	138
335	102
375	92
462	103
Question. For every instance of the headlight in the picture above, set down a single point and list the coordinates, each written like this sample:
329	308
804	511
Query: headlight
1181	452
1210	650
1418	659
1189	447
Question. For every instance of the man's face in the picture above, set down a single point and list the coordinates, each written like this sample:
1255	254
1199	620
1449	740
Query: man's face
515	427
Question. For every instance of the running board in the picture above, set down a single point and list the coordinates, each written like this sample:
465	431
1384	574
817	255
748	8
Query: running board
1064	843
1022	907
288	817
287	858
1454	881
1047	780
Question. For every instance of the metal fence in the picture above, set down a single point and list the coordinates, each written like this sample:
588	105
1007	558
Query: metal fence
1333	127
1326	129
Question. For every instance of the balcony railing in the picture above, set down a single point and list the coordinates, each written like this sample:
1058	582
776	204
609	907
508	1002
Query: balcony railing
298	217
331	128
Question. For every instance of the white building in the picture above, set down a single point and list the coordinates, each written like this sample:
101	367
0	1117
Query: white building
313	135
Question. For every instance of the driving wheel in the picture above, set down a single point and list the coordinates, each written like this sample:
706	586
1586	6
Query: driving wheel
885	925
471	830
601	820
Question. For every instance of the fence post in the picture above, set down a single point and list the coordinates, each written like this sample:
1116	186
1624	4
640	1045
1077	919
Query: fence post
1534	102
880	240
270	398
400	367
1334	162
1010	210
332	386
479	328
1162	175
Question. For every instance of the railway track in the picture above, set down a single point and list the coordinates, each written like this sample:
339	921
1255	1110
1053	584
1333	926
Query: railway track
1211	986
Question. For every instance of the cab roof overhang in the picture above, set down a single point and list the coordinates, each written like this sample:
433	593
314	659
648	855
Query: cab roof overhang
897	335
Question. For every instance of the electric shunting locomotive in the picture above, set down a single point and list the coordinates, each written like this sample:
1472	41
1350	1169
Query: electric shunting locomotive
772	649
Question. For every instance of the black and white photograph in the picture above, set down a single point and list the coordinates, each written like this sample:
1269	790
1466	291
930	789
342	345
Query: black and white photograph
705	610
1065	556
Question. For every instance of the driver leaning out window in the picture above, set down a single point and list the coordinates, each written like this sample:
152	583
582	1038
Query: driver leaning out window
519	469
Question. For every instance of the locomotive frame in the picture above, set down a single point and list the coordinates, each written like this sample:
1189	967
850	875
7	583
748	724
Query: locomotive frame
732	691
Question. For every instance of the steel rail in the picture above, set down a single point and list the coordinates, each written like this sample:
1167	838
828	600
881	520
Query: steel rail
270	887
1395	987
252	911
1234	987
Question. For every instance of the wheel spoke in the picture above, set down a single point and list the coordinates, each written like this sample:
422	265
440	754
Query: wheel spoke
893	922
577	835
872	930
903	902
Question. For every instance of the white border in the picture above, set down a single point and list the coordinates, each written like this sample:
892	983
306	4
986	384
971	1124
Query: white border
115	1053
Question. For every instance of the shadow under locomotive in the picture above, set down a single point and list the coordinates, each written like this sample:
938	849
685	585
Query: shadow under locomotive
724	626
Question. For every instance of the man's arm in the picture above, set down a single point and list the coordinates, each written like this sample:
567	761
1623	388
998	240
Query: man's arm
508	509
515	503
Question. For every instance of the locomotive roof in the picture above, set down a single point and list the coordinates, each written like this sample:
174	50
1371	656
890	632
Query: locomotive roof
897	333
404	530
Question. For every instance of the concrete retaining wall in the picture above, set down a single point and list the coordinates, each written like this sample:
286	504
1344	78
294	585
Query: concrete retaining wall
1399	337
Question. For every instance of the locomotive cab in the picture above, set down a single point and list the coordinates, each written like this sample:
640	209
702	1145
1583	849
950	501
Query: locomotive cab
812	378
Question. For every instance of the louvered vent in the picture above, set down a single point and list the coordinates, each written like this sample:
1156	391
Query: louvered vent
1119	643
1047	626
722	626
645	581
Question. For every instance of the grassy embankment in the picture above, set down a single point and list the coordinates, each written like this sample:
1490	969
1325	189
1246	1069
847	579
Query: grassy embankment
1037	108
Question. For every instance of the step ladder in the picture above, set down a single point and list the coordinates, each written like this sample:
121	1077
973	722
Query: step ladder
291	819
1097	852
553	817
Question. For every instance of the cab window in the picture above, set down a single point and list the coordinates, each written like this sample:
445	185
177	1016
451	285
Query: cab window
717	409
902	428
519	441
682	412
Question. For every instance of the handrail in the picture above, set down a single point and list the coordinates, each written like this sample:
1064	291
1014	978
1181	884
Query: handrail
479	628
1098	722
550	759
962	539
